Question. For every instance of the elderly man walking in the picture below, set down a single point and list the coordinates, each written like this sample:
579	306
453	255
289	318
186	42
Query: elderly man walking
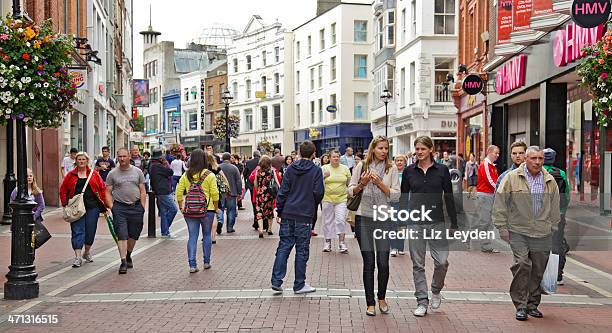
526	212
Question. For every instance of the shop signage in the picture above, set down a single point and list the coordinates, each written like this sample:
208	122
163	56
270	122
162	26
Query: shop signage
542	7
511	75
331	108
79	78
472	84
504	21
590	13
568	42
448	124
521	14
404	127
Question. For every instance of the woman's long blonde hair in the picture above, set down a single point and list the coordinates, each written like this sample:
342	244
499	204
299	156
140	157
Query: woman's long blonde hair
35	189
370	157
212	162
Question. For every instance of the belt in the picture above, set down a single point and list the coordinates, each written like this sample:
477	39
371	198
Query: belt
128	204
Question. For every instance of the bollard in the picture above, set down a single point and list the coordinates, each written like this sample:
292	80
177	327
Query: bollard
151	226
457	182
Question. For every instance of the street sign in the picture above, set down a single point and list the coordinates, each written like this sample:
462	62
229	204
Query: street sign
260	94
472	84
590	13
331	108
176	114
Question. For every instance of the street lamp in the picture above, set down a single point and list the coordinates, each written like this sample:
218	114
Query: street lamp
227	99
386	97
264	127
21	279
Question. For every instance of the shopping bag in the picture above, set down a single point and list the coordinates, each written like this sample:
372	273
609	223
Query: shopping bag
549	280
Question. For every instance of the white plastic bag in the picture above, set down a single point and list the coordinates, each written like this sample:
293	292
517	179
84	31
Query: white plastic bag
549	279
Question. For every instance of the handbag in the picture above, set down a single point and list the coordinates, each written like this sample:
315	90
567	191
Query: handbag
75	209
41	234
274	186
353	202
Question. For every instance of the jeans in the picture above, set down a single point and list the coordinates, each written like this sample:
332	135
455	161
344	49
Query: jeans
228	203
292	233
373	253
194	225
167	212
439	253
84	229
175	180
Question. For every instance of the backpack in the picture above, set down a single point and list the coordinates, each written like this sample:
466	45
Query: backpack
196	202
556	173
222	184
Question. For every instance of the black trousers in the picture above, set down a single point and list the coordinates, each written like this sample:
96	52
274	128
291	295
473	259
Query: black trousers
560	246
374	252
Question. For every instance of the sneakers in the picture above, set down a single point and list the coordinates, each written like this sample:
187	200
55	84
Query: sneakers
436	300
490	250
123	267
327	247
88	257
560	282
168	236
342	248
420	311
206	266
305	289
77	262
401	253
394	252
193	270
277	290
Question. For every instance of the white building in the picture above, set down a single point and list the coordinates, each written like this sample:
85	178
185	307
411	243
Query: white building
332	67
426	52
259	79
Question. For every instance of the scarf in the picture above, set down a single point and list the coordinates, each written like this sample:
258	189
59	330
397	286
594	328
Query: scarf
372	195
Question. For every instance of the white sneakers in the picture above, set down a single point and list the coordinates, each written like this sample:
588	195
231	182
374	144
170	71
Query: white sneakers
88	257
327	247
436	300
394	252
77	262
420	311
342	248
305	290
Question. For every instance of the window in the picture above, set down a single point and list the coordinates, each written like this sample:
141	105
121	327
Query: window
277	115
360	66
297	81
361	106
264	117
312	112
320	110
444	17
210	95
413	18
248	61
390	78
380	30
361	31
320	76
442	67
151	124
248	120
235	65
403	26
264	84
333	33
297	115
277	54
235	90
332	101
186	94
248	89
221	91
297	50
322	39
263	58
208	122
403	87
194	93
332	69
390	28
309	49
412	82
312	79
276	83
193	120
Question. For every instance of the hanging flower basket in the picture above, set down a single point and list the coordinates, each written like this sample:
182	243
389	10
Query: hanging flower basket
234	126
34	81
265	146
596	72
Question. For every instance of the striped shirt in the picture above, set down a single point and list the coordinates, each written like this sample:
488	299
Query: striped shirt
536	186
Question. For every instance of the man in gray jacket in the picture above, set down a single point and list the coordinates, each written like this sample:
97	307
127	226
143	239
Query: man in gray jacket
228	202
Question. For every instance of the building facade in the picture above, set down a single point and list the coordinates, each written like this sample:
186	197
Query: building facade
332	70
259	82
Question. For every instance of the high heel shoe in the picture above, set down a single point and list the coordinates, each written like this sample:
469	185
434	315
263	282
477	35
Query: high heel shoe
383	306
371	311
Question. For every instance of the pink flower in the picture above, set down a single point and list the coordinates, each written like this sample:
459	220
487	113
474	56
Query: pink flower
4	36
604	75
601	61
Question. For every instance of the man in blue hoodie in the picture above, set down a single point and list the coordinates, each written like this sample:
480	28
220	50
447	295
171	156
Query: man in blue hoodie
300	192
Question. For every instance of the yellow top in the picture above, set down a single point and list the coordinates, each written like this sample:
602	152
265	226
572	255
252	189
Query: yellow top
336	184
209	186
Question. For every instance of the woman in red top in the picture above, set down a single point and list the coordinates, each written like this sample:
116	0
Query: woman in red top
84	230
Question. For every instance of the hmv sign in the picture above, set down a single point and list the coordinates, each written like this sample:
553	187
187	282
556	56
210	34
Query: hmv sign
472	84
590	13
511	75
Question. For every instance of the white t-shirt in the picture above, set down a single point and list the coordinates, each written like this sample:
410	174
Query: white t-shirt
177	167
68	164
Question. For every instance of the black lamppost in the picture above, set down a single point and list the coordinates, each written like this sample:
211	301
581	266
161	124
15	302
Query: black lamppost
227	99
386	97
9	181
21	279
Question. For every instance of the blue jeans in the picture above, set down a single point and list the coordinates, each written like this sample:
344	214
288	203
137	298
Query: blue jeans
167	212
194	225
228	203
175	180
84	229
292	233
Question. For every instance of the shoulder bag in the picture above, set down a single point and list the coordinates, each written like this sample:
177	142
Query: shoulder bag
75	209
353	202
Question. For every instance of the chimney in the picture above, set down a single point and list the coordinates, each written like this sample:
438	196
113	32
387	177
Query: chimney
325	5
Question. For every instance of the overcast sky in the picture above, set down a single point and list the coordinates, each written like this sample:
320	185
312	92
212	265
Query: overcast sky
183	20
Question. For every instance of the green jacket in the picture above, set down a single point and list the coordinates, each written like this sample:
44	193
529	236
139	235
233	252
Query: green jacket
565	197
513	205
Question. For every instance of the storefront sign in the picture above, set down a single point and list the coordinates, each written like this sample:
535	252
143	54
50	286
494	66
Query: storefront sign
404	127
542	7
79	78
448	124
511	75
504	21
472	84
521	14
331	108
590	13
568	42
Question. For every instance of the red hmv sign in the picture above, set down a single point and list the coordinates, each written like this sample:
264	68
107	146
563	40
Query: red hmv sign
568	42
511	75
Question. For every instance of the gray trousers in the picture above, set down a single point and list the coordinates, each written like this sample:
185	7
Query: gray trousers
439	253
483	222
530	259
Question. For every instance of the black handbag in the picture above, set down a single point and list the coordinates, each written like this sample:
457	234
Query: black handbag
353	202
41	234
